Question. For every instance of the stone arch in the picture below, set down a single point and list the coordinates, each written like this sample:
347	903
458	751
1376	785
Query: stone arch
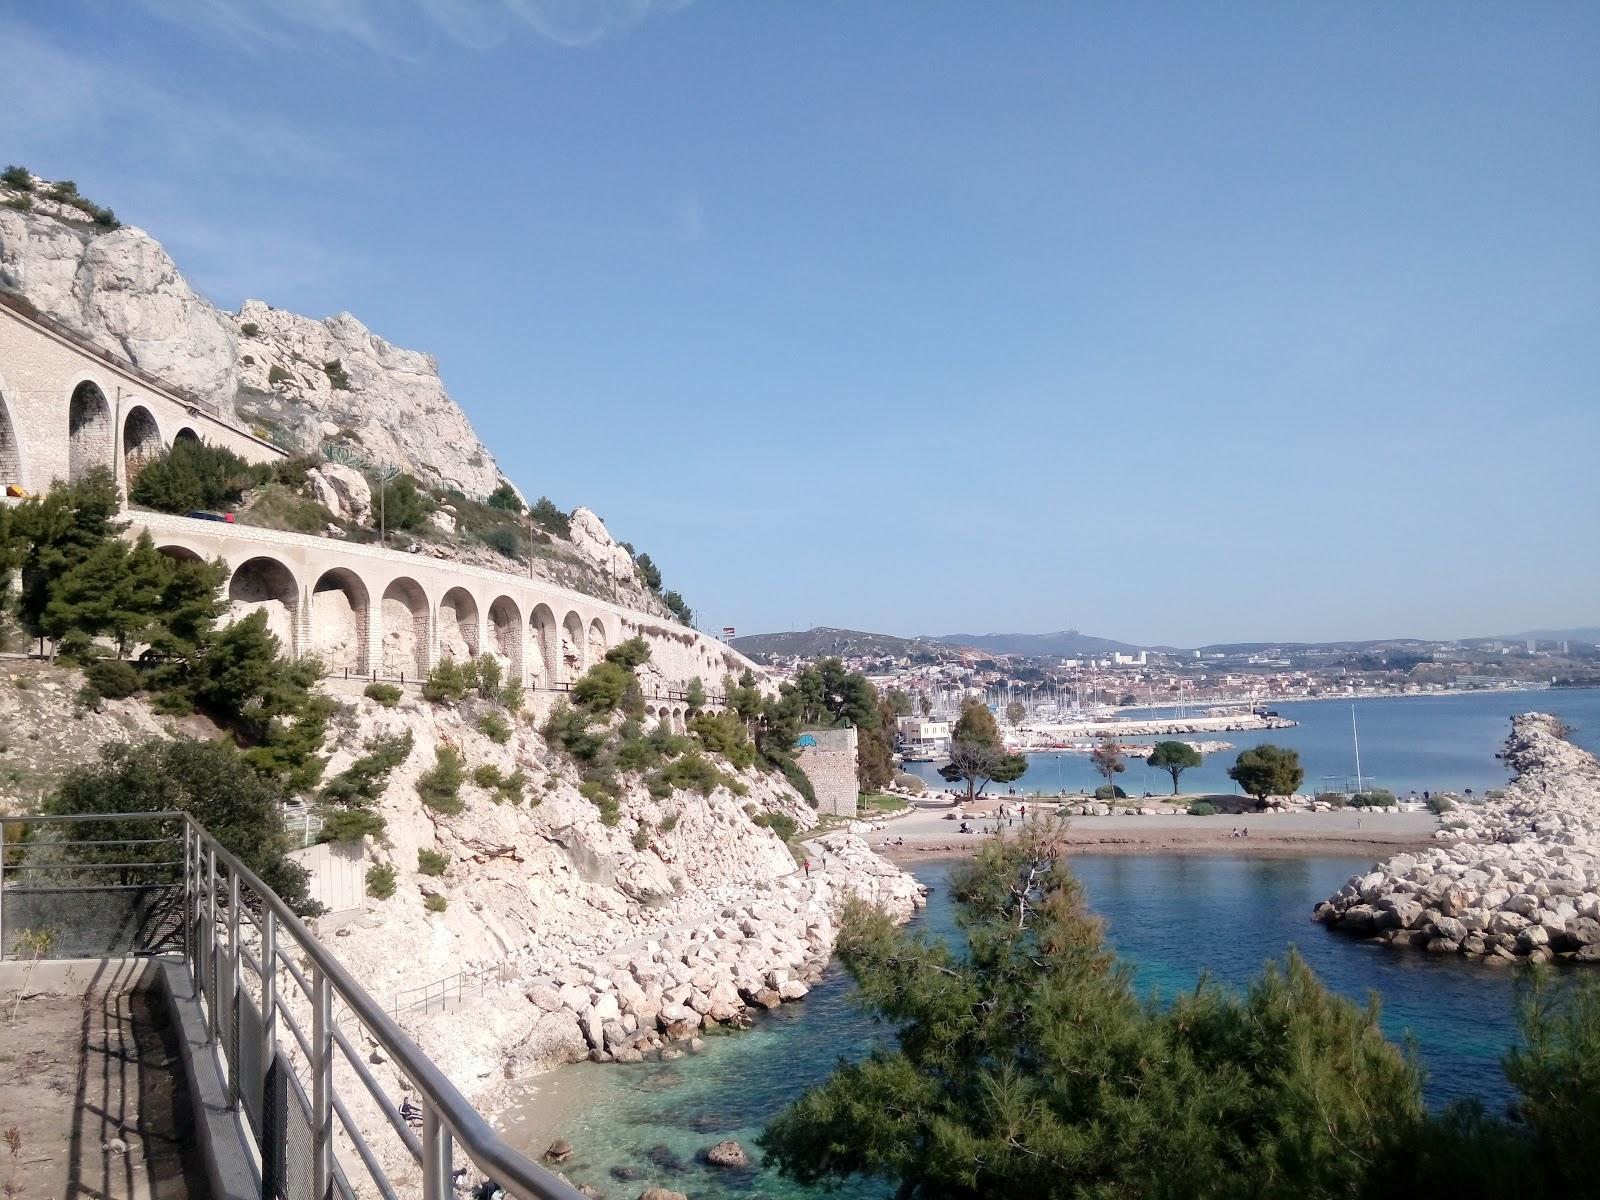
597	646
544	664
10	448
505	636
89	433
404	615
186	435
263	584
141	440
339	618
458	625
572	646
181	553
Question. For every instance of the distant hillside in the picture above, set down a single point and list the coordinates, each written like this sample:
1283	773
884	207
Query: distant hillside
1066	644
1588	633
824	642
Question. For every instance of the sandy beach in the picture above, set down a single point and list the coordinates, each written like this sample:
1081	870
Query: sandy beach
926	833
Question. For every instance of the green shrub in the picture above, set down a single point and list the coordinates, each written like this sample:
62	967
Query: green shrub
667	823
493	726
510	696
250	329
504	540
440	785
568	729
1106	793
17	177
548	516
487	776
597	793
780	823
1333	799
347	800
1373	798
172	704
1202	808
911	783
380	881
725	734
691	772
435	903
679	609
334	370
484	673
505	498
513	787
641	838
386	694
194	475
404	506
1437	805
20	203
631	654
603	687
276	374
448	683
113	678
431	862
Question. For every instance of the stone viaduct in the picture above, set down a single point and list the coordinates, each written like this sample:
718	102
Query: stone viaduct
364	611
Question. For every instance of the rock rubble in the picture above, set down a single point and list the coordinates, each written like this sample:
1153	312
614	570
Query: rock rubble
1516	876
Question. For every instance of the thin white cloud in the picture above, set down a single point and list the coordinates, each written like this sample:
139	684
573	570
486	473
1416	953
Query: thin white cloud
406	28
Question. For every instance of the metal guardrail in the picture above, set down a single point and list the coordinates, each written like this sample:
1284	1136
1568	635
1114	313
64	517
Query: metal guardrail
261	977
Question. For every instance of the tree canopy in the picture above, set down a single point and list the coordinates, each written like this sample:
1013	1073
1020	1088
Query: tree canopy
1267	770
1174	758
978	756
1108	760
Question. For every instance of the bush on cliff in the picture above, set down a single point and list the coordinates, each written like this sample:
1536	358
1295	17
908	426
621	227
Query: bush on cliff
113	678
346	801
194	475
380	881
211	781
440	785
386	694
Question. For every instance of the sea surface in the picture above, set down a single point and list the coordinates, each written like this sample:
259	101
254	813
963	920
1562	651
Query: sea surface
1175	917
1408	743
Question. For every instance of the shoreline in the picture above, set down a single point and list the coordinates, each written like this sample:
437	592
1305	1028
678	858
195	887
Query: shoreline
1168	841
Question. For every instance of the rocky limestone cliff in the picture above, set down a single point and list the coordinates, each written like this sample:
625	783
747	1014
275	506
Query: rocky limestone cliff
121	290
605	942
304	383
1517	875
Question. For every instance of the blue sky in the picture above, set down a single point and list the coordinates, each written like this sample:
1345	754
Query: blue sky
1172	323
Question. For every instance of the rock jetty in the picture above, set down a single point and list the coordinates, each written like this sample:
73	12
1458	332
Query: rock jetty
1516	876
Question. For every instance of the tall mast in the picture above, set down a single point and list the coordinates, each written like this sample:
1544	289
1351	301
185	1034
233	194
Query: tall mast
1355	737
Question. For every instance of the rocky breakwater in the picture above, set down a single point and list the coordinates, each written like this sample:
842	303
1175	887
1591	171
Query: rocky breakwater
760	950
1516	876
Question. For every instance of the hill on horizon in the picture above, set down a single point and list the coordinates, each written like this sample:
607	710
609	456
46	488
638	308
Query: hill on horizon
826	641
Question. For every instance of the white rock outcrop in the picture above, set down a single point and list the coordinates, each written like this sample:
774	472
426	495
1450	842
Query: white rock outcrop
1516	875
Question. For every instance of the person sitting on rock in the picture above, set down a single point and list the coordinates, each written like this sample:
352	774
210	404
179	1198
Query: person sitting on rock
409	1112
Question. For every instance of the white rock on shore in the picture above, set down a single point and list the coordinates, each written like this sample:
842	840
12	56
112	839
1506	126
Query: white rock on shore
1517	875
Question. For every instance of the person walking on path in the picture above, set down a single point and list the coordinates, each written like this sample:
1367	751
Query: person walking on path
807	865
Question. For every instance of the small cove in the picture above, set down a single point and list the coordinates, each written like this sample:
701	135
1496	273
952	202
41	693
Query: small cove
1173	917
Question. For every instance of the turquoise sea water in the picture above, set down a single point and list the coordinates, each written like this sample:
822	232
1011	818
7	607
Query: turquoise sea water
1174	917
1442	743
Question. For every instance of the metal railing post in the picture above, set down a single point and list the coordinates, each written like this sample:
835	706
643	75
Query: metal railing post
213	1017
2	891
231	991
322	1049
435	1156
188	896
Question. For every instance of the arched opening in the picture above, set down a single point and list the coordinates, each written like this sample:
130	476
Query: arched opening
180	553
458	625
505	636
88	431
404	613
10	449
572	640
186	435
141	441
339	618
266	585
597	641
544	668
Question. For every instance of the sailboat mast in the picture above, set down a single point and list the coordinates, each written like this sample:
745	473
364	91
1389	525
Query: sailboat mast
1355	737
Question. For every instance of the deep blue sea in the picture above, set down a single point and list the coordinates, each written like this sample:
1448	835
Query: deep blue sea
1174	917
1408	743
